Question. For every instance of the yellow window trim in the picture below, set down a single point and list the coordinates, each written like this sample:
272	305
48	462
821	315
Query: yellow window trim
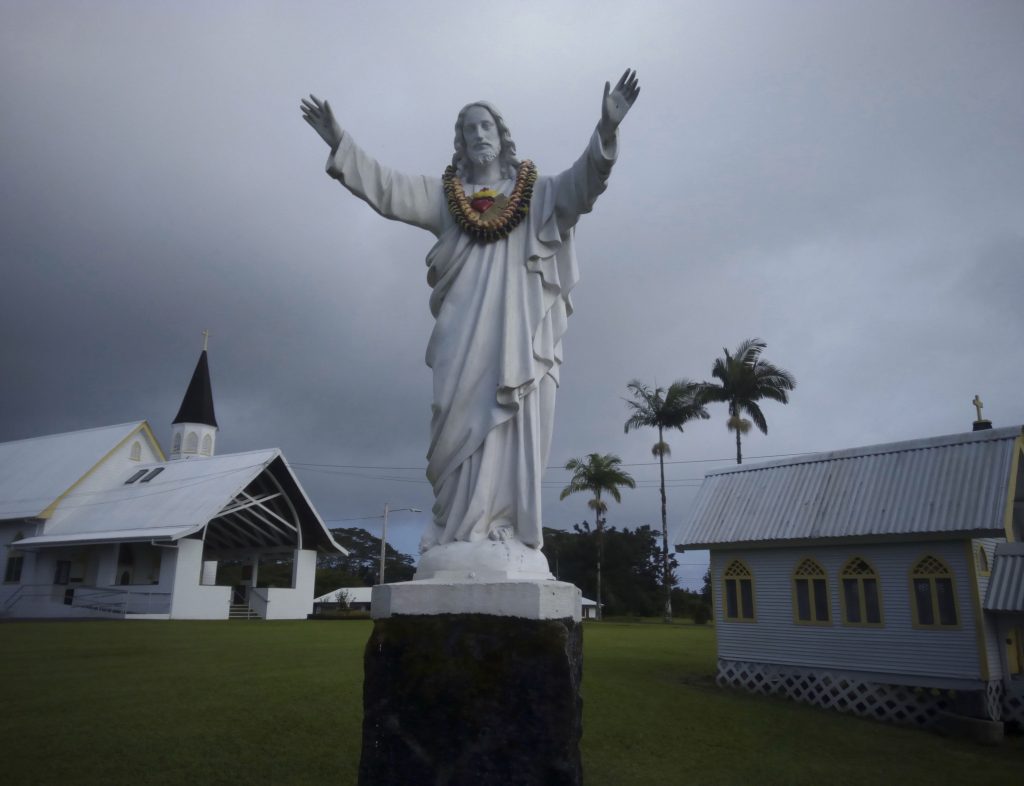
859	577
979	619
949	574
984	566
808	577
142	428
746	575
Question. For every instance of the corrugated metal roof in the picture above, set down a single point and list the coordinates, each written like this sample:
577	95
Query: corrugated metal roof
942	485
177	502
34	472
186	495
1006	585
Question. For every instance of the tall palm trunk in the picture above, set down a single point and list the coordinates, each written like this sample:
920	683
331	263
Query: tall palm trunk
600	551
734	411
600	559
664	531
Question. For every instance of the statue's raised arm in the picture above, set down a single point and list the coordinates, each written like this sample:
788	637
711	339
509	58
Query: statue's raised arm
319	115
411	199
617	103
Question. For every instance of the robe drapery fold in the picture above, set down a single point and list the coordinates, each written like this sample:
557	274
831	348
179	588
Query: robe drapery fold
500	310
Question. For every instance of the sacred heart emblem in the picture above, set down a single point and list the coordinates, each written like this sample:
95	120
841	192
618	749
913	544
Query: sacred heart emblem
488	201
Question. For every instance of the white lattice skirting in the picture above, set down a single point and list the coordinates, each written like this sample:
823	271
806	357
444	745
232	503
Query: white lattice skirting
834	691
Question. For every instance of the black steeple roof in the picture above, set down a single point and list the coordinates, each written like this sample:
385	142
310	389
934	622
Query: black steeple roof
197	406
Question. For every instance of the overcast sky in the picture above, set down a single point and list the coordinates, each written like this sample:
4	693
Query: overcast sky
844	180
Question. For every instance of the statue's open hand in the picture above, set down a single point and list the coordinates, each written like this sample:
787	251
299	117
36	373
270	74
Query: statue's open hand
319	115
617	102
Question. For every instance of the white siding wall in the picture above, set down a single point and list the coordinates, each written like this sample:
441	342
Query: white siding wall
896	648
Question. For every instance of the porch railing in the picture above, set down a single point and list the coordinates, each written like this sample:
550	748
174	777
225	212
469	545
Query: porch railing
122	602
25	592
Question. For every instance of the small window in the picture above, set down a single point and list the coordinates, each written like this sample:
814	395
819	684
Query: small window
152	474
136	476
191	442
933	594
859	593
177	443
12	573
207	448
983	566
136	451
810	594
738	585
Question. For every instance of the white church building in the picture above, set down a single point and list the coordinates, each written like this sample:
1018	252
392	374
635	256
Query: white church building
100	523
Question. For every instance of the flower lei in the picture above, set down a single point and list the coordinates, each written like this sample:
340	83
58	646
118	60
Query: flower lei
494	227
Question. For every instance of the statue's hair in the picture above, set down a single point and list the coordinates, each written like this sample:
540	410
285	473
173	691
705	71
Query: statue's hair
507	156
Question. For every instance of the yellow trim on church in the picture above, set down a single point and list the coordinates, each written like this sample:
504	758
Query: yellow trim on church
142	428
1018	449
979	615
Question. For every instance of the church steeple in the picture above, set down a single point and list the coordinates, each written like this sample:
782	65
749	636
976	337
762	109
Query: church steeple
194	430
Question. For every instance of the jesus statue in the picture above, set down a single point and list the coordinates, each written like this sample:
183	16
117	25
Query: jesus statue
501	271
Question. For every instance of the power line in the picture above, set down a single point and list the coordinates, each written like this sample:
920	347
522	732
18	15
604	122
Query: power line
559	467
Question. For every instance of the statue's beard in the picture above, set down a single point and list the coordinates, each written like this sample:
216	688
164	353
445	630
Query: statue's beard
482	157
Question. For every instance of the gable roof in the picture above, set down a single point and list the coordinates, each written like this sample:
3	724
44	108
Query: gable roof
955	484
35	472
179	501
197	405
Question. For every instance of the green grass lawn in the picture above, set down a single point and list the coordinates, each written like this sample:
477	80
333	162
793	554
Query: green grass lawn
279	703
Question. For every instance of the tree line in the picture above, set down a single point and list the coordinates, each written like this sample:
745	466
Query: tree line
632	570
361	566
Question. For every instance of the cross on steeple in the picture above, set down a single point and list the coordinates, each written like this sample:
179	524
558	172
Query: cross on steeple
977	405
206	339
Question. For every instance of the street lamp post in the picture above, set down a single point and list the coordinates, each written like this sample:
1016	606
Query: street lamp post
384	536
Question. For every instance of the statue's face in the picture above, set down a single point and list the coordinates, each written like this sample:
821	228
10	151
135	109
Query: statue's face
480	133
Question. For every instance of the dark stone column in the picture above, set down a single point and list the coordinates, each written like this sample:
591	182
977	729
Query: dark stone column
472	700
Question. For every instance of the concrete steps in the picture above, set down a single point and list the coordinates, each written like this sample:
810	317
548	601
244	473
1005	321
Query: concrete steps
241	611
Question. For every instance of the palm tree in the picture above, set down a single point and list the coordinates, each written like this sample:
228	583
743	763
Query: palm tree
665	410
744	378
597	473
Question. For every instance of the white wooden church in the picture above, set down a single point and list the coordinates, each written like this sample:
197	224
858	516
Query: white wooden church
101	523
886	581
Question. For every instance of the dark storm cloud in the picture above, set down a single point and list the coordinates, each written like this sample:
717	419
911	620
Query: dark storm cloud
840	179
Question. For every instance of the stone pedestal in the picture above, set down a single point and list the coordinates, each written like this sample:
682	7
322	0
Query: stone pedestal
456	695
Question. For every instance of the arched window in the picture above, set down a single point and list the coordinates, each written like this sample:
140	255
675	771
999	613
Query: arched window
176	448
191	442
810	593
860	594
983	566
136	451
738	586
933	594
207	445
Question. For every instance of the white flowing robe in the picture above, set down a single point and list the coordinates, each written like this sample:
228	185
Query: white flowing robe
500	309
